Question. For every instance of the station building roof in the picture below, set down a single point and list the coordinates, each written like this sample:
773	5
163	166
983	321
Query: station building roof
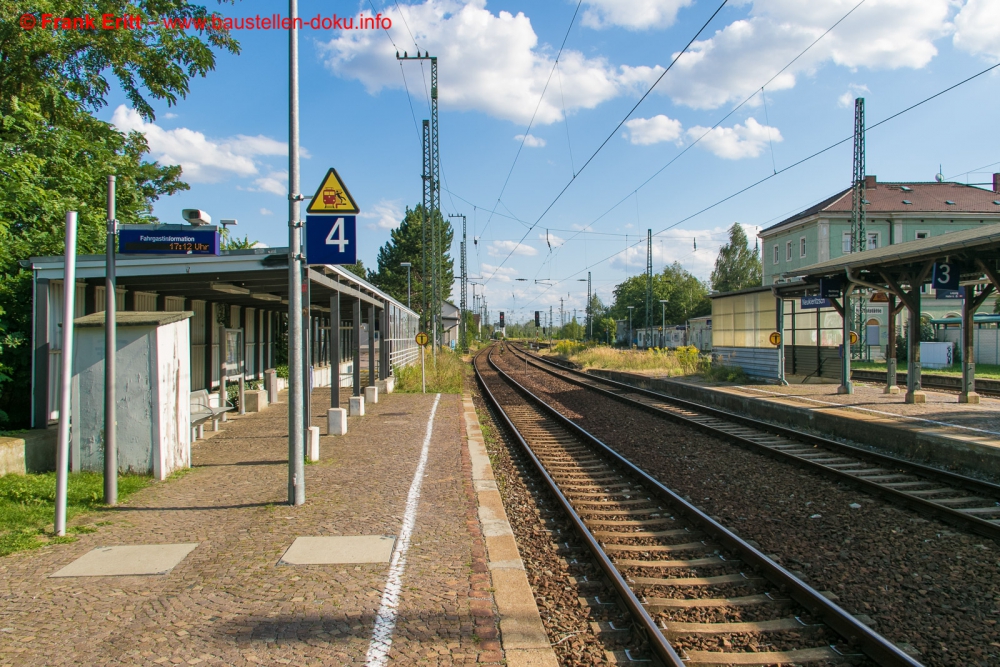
982	243
253	278
907	198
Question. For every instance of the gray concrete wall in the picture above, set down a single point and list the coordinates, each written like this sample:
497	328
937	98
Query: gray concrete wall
12	456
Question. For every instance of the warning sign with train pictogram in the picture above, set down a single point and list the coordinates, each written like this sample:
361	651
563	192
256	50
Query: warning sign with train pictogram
332	196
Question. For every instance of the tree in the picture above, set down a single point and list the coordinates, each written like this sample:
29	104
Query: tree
404	245
66	70
55	156
571	331
358	269
686	297
737	266
605	330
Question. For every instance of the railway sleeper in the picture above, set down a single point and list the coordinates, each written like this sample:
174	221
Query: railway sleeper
826	654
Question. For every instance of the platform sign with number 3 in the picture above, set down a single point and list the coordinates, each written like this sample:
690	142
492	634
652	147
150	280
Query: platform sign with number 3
331	239
945	276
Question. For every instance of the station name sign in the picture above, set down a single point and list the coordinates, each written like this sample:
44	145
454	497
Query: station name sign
168	240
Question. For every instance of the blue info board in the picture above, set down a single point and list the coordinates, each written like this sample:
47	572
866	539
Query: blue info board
331	239
183	241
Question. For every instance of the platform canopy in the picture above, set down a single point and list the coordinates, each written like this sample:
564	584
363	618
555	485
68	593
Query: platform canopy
901	270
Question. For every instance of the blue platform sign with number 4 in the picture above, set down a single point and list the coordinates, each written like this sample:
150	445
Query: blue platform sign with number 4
331	239
945	276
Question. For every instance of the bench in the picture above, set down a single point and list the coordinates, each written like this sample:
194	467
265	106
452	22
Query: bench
202	411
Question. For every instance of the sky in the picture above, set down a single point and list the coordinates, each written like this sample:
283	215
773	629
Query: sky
557	169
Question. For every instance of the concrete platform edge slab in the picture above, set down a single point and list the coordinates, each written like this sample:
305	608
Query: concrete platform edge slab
522	635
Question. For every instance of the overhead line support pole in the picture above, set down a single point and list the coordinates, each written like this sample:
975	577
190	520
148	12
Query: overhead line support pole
296	419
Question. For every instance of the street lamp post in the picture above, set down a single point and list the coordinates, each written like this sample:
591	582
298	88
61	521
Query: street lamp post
663	320
407	265
630	309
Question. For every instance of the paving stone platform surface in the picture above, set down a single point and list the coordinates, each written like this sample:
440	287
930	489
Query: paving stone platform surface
228	602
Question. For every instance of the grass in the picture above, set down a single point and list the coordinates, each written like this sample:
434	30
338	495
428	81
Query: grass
984	371
682	361
27	506
445	376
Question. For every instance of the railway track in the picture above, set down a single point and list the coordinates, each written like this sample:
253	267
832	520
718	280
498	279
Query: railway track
929	381
961	501
699	595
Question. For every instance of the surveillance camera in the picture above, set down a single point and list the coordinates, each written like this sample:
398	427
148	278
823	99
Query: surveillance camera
196	216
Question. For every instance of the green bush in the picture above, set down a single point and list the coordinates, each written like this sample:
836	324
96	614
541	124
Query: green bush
568	348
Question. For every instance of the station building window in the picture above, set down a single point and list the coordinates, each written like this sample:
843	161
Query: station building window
775	254
788	251
802	247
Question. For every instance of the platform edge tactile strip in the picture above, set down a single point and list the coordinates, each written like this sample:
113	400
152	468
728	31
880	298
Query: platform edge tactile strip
522	634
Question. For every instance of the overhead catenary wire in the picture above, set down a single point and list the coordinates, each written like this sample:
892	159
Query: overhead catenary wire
617	127
730	113
793	165
531	122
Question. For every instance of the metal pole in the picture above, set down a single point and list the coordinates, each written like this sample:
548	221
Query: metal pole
846	386
335	356
69	310
408	305
423	377
308	352
296	421
110	352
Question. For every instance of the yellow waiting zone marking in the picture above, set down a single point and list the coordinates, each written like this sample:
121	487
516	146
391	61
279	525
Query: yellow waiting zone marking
332	196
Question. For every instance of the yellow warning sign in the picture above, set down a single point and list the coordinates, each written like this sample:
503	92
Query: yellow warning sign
332	197
421	338
775	338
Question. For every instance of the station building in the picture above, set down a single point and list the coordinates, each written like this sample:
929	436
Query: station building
234	308
896	213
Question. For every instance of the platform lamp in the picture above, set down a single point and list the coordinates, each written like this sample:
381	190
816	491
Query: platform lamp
630	309
407	265
663	320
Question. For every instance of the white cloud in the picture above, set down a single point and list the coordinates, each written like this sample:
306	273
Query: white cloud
632	14
495	64
266	211
678	245
275	182
735	61
977	28
503	274
169	115
736	142
646	131
203	160
387	214
530	140
854	90
505	248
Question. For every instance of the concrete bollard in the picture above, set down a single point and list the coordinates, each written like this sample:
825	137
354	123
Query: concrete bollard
390	384
336	421
371	395
312	442
357	406
271	384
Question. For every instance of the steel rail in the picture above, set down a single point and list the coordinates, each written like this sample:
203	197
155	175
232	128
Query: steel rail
855	632
952	516
664	651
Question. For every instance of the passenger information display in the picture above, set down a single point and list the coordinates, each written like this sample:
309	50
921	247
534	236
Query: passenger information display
181	241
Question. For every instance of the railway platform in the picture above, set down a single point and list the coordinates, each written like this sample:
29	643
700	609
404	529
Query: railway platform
422	586
940	432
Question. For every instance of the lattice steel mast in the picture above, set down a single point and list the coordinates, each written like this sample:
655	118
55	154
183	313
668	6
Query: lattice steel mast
649	279
859	238
464	288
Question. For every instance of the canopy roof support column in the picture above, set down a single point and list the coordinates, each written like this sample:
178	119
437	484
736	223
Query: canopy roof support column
371	346
846	386
890	351
356	366
335	350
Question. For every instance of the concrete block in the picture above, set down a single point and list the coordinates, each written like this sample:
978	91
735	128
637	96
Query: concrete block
312	443
356	406
336	421
970	397
371	395
255	400
12	456
390	384
128	560
271	385
334	549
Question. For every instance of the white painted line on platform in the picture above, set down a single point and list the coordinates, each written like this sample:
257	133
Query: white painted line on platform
385	621
873	411
127	560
